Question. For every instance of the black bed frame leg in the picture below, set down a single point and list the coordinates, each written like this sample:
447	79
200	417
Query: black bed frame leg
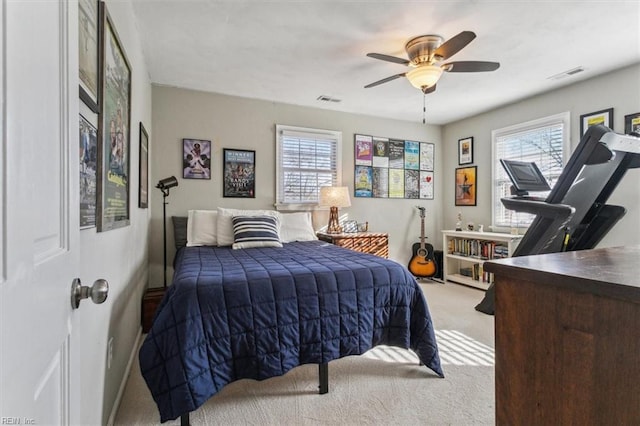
184	420
323	370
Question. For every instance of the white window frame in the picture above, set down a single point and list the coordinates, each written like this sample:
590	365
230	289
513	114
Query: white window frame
313	133
564	118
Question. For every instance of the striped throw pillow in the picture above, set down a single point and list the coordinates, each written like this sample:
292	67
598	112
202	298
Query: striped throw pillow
255	231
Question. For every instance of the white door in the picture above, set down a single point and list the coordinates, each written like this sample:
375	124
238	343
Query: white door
39	212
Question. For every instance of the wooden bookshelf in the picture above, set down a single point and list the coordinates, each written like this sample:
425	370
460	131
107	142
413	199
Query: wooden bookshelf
466	251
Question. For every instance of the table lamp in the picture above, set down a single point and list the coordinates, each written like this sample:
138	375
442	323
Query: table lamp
334	197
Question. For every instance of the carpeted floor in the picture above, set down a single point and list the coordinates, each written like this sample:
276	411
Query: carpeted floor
385	386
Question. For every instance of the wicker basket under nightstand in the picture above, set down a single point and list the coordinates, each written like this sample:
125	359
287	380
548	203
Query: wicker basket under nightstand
365	242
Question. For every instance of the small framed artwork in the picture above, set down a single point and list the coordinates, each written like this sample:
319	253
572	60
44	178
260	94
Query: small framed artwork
466	186
239	180
196	159
143	190
88	172
350	226
465	151
632	123
89	57
599	117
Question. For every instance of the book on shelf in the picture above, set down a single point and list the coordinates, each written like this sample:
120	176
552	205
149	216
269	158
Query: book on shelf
479	249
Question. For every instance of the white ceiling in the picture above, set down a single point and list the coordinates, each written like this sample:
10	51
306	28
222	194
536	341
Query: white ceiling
294	51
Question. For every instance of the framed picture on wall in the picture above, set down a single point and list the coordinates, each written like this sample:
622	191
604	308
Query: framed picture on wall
599	117
196	159
89	58
466	186
88	163
632	123
465	151
239	178
115	124
143	190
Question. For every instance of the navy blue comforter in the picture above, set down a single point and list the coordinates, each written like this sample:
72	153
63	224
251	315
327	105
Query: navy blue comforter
257	313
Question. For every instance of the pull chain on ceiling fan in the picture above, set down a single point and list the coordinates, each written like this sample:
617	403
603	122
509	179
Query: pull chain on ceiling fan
425	53
424	108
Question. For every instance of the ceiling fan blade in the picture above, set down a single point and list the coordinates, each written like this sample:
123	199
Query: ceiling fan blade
471	66
384	80
455	44
388	58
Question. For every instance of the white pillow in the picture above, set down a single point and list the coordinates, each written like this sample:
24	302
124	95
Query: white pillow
296	227
201	228
225	224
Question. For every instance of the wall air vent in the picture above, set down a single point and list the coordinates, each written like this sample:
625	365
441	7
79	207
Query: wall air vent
325	98
567	73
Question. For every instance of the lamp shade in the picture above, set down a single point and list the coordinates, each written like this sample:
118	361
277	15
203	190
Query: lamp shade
167	183
424	76
334	196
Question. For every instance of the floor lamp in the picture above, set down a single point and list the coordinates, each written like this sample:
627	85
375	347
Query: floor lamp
164	185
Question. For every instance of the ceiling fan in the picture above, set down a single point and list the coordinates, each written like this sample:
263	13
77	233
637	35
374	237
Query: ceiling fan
425	52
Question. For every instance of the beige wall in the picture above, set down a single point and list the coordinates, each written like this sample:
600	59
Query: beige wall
232	122
120	256
619	89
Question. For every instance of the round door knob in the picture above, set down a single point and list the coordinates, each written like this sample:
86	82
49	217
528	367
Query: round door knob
97	292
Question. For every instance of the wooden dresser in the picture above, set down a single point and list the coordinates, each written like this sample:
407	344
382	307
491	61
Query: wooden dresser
365	242
568	338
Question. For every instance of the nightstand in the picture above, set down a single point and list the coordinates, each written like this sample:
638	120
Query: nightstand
365	242
150	302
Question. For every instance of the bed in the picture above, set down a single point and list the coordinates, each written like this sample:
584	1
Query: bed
259	311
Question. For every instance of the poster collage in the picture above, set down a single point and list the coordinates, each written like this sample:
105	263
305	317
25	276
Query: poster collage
392	168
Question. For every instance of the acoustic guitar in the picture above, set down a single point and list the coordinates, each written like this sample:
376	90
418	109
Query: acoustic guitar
422	263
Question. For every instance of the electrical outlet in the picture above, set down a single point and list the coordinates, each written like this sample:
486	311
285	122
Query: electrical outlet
109	353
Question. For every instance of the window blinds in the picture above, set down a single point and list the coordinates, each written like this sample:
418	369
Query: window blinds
543	144
307	160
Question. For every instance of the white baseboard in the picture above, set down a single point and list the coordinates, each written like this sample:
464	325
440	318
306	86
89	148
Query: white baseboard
125	378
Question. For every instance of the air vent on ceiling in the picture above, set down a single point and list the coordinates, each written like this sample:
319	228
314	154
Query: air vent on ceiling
567	73
325	98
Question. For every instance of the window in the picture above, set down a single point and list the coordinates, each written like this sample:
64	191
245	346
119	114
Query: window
306	160
544	141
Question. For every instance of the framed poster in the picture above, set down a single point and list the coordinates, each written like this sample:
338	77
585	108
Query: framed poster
88	163
426	156
363	150
426	185
396	154
599	117
143	190
396	183
465	151
411	184
380	183
89	59
363	184
632	123
239	178
380	152
393	168
196	159
466	186
114	131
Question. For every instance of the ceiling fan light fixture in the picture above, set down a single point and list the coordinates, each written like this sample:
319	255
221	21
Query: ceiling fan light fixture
424	76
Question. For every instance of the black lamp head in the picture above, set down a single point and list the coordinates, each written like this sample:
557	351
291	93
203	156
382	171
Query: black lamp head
167	183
